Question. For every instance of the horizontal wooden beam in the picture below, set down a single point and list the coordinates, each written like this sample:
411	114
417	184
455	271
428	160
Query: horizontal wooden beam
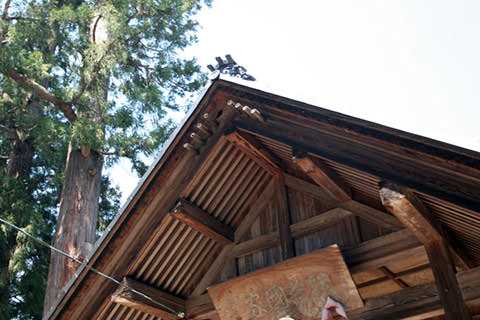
203	222
381	251
365	212
368	255
320	222
416	301
298	230
419	302
199	307
161	304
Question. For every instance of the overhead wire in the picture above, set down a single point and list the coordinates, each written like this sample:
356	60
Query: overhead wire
85	264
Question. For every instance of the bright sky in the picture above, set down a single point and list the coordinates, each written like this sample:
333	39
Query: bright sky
412	65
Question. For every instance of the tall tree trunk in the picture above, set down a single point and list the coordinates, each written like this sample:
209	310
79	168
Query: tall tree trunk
78	214
77	219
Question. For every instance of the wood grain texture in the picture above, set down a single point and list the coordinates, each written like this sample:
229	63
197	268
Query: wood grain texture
297	287
283	213
203	222
419	302
164	305
447	285
397	201
329	182
370	214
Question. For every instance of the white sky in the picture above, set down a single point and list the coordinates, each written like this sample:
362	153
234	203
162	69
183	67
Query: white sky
411	65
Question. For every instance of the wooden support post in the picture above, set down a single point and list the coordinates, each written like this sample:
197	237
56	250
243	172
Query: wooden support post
286	240
409	209
419	302
203	222
161	304
448	288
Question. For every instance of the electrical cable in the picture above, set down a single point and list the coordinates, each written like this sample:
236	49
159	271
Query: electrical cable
84	263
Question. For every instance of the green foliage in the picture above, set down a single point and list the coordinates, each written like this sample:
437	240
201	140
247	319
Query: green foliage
115	65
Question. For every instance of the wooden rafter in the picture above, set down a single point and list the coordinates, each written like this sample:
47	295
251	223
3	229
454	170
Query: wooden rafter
409	209
161	304
257	207
203	222
331	184
368	213
256	151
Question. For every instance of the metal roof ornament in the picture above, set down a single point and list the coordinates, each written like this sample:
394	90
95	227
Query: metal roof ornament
229	67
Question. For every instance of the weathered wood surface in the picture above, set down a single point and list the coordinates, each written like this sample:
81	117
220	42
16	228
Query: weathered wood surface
319	173
415	301
370	214
402	203
203	222
171	176
382	160
254	148
297	287
283	213
161	304
297	230
448	288
212	274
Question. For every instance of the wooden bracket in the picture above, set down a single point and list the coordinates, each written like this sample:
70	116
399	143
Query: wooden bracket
161	304
203	222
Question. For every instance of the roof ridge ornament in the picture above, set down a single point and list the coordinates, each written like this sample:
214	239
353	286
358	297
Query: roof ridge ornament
229	67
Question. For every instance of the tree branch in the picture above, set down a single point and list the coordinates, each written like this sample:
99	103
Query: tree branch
4	18
9	131
42	92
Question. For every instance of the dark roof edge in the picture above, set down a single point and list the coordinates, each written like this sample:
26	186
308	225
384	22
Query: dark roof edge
399	137
131	201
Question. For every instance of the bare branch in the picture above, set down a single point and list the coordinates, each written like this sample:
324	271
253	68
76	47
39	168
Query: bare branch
105	153
42	92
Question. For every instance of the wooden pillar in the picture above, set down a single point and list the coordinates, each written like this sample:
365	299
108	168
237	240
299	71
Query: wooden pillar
410	210
446	281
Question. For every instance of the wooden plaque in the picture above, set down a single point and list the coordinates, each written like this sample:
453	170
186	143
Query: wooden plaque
297	287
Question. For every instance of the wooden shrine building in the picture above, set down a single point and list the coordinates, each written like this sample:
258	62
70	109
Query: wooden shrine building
273	205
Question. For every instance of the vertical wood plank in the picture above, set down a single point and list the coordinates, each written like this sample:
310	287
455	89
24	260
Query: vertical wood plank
286	241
